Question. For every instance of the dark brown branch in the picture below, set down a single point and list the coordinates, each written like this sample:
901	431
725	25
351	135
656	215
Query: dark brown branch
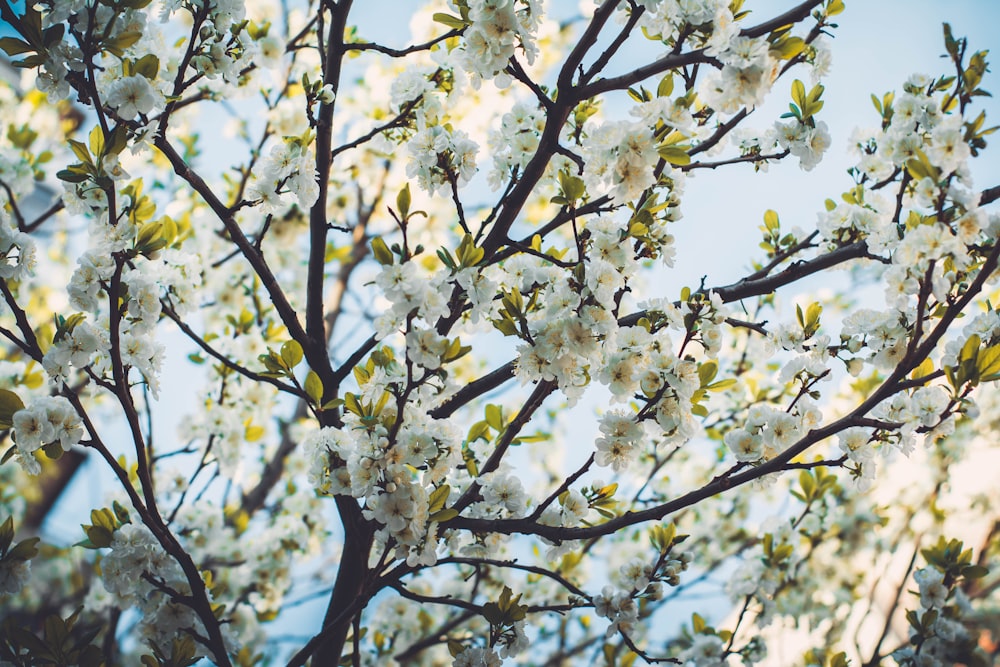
642	73
56	206
315	338
397	121
513	564
589	37
602	60
735	160
223	359
399	53
524	415
318	360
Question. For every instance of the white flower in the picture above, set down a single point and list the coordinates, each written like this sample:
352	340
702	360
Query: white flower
854	442
425	347
705	651
574	507
635	574
17	252
933	592
618	444
131	95
477	657
506	492
746	446
32	430
14	574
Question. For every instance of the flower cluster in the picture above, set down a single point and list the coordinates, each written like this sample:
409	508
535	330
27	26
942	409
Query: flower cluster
410	292
807	143
75	349
745	78
393	478
139	573
712	20
289	170
619	607
514	142
620	157
475	656
17	251
48	420
498	28
618	445
938	632
441	158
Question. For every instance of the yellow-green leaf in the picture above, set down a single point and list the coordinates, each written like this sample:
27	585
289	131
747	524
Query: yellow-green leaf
97	141
9	404
381	251
291	354
444	515
674	155
403	202
438	498
314	387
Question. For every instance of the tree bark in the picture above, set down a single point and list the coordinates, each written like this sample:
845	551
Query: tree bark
351	584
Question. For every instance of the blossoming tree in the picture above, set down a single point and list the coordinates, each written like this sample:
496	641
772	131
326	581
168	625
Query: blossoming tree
394	289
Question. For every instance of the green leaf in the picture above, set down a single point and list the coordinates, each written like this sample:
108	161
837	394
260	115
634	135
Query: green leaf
81	152
468	254
790	47
455	647
721	384
403	202
71	176
808	484
148	66
771	220
442	516
9	404
25	549
452	22
666	87
15	47
381	251
494	417
291	354
674	155
6	534
698	624
799	93
98	536
118	141
9	454
97	141
572	186
707	372
122	41
351	404
988	361
438	498
314	387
